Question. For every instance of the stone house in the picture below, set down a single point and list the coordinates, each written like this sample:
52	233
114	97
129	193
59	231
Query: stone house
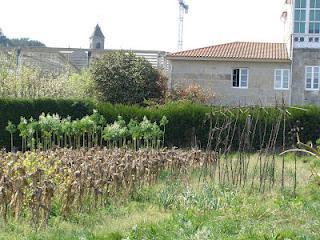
249	73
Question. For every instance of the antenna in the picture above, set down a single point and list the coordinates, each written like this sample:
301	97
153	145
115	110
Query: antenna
183	9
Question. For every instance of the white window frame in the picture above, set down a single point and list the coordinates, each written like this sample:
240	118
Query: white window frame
312	78
240	78
314	21
299	21
281	80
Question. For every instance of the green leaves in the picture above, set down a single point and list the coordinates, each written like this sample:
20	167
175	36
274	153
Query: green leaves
164	121
122	77
146	130
50	131
11	128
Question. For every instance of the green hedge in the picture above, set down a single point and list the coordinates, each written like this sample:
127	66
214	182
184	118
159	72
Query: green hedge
185	119
11	109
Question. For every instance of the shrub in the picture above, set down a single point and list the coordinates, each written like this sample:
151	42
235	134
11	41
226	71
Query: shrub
193	93
122	77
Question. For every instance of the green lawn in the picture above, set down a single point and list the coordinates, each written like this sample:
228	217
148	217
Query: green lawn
185	208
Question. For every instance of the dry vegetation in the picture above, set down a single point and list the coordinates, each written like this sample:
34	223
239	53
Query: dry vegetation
84	180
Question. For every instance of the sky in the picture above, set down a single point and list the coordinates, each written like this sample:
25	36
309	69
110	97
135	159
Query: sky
142	24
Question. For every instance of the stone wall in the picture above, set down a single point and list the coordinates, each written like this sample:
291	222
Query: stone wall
216	77
301	59
59	59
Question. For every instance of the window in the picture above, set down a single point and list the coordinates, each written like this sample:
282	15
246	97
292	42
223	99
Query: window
240	78
300	16
312	78
281	79
300	3
314	25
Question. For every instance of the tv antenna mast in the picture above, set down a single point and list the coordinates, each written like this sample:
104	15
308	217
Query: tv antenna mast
183	9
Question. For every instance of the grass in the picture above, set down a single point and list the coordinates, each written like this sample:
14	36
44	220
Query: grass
185	208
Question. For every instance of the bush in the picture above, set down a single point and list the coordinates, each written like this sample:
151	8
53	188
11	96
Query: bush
122	77
193	93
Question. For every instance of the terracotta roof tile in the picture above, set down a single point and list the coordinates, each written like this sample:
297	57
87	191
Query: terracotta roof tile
238	50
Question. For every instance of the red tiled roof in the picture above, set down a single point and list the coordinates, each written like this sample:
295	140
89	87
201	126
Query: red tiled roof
238	50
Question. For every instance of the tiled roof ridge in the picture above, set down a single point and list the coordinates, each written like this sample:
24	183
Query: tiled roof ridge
228	43
238	50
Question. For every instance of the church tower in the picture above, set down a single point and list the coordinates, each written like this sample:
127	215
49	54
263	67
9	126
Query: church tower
305	51
97	39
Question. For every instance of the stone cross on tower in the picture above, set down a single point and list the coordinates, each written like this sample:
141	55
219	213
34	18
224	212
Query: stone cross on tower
97	39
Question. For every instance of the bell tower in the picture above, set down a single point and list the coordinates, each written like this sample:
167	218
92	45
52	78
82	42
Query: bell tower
97	39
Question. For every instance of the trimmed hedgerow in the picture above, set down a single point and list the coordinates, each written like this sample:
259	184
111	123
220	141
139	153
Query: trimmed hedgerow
186	119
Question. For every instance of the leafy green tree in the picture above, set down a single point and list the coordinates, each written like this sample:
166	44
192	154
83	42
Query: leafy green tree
122	77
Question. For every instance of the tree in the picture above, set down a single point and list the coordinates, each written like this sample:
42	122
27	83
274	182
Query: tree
122	77
25	42
18	42
4	41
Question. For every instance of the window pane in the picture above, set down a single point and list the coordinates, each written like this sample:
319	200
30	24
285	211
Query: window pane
318	4
285	81
296	27
302	27
297	15
308	77
244	71
278	81
312	3
317	27
244	78
303	4
312	15
244	82
308	85
311	28
317	15
315	77
309	70
235	79
302	15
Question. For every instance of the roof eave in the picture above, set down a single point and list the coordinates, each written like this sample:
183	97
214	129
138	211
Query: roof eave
227	59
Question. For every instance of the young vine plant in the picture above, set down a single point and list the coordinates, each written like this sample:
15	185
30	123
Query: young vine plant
53	131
